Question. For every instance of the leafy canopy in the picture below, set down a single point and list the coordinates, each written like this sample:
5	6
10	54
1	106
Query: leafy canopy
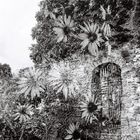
58	25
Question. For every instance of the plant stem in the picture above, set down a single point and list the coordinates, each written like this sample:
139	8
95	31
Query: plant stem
23	128
10	124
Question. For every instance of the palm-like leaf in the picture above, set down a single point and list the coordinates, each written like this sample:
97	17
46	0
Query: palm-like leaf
106	16
31	83
106	29
109	47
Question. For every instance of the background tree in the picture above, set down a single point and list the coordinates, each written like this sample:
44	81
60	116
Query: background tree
49	47
5	71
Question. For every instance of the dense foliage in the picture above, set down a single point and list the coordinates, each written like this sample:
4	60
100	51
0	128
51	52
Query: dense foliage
53	100
5	71
60	24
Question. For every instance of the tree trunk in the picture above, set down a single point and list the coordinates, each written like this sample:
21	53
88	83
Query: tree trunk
136	22
136	15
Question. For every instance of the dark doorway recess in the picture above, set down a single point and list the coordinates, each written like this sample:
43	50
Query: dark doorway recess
107	86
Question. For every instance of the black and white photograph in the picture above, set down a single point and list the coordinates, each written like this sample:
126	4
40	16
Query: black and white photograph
70	70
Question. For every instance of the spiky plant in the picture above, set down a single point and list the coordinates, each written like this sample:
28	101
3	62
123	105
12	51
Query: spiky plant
23	113
91	37
90	108
62	78
31	84
63	28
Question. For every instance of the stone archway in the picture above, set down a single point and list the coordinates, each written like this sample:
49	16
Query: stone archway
107	85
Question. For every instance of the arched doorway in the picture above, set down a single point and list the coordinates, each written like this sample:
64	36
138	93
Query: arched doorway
107	86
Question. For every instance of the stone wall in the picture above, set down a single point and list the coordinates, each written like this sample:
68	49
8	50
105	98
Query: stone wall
130	113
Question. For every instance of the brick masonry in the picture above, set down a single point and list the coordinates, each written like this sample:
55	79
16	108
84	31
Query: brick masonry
130	118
